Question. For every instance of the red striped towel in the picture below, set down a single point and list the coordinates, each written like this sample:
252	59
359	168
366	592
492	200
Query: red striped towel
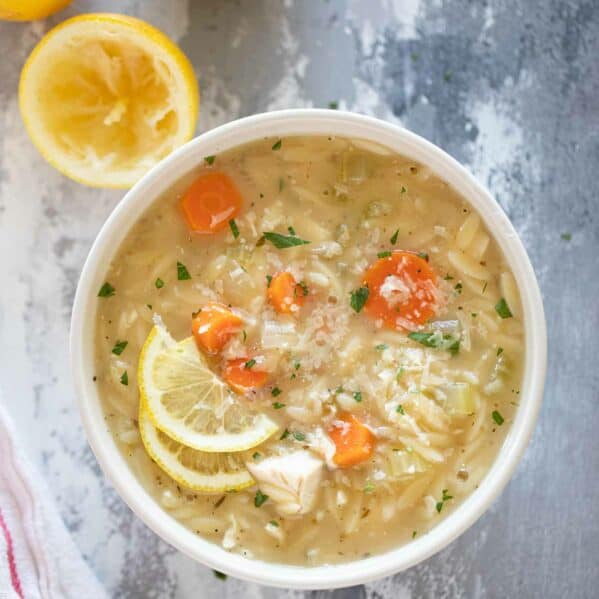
38	559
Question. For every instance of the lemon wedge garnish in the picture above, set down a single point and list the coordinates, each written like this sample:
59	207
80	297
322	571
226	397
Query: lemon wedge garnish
197	470
192	405
104	97
29	10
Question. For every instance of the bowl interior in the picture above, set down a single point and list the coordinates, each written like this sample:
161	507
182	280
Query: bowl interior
159	180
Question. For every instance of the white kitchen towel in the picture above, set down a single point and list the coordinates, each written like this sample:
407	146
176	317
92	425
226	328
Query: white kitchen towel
38	558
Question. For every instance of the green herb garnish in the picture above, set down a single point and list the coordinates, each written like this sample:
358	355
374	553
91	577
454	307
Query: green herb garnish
274	523
458	288
284	241
124	378
566	236
159	283
381	347
393	239
333	105
291	230
423	255
220	575
437	340
299	436
182	272
268	280
249	364
209	160
278	405
234	228
499	351
277	145
302	285
276	392
403	189
497	417
358	298
106	290
503	309
400	410
285	434
358	396
256	455
383	254
119	347
369	487
260	498
448	277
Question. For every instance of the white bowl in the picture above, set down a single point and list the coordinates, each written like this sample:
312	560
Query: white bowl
160	179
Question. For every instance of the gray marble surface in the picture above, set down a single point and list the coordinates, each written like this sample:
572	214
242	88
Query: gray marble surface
510	88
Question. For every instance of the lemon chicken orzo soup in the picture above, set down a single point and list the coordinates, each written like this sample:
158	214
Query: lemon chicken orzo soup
309	350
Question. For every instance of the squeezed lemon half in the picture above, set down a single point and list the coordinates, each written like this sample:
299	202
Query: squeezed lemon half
104	97
188	402
197	470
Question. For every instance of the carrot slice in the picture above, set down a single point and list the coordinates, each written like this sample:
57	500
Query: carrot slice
354	442
211	202
402	290
213	326
285	294
243	374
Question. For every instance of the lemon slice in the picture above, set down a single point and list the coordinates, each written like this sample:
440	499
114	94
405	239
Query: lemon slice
188	402
104	97
197	470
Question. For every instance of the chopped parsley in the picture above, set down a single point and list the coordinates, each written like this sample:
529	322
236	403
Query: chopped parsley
447	76
485	286
414	533
260	498
296	364
399	373
458	288
276	392
566	236
503	309
383	254
381	347
358	298
182	272
284	241
249	364
438	340
278	405
277	145
448	277
256	455
119	347
245	335
445	497
358	396
159	283
403	189
106	290
209	160
299	436
400	410
423	255
274	523
499	351
393	239
234	228
268	280
219	575
291	230
125	378
334	105
497	417
302	285
285	434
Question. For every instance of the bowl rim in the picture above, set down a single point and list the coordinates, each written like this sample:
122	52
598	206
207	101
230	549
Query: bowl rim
160	178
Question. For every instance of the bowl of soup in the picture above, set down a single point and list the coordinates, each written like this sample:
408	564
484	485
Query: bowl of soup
309	349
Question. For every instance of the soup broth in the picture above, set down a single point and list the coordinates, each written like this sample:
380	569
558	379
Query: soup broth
372	330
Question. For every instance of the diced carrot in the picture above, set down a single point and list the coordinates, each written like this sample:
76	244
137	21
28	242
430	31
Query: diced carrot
285	294
211	202
213	326
354	442
243	374
402	287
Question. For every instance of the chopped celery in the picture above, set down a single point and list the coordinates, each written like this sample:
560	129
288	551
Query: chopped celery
375	209
403	463
459	400
355	167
